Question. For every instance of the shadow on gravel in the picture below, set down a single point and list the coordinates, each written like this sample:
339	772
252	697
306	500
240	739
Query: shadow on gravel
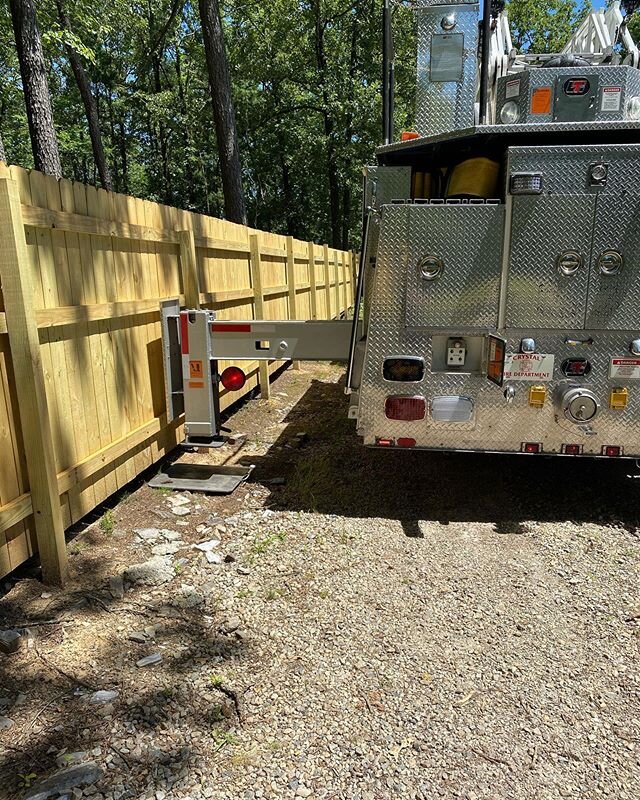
151	700
328	470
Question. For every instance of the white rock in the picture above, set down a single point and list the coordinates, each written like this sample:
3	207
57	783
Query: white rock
103	696
211	544
180	511
213	558
147	534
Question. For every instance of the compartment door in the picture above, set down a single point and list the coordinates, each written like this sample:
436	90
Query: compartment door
454	255
614	286
549	261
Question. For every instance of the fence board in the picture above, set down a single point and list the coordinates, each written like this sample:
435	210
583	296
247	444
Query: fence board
100	263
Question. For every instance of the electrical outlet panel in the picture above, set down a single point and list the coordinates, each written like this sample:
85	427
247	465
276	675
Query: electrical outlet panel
456	352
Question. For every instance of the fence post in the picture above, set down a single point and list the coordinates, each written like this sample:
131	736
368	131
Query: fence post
189	267
336	269
17	288
327	282
313	289
256	281
291	282
345	282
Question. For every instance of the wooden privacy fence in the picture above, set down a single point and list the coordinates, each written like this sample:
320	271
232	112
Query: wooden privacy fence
82	406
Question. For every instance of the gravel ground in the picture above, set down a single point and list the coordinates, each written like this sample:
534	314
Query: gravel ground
379	625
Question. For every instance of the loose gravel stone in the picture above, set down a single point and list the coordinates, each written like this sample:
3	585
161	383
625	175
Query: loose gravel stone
154	572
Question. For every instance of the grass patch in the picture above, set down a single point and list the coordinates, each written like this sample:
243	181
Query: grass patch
107	522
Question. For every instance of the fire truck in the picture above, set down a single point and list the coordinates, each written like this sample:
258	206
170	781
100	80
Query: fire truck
498	298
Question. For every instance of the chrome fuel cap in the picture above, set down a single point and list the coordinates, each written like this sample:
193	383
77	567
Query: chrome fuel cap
579	405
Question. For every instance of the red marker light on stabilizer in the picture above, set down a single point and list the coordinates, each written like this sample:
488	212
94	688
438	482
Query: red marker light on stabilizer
531	447
611	450
233	379
384	442
405	441
572	449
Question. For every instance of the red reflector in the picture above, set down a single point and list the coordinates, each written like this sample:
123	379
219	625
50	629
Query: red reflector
611	450
406	442
233	379
406	409
225	327
184	332
572	449
531	447
407	136
384	442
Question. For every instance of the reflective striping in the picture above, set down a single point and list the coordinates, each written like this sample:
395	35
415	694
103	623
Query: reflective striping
184	332
222	327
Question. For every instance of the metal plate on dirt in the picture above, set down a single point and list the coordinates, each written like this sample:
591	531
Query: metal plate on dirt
201	478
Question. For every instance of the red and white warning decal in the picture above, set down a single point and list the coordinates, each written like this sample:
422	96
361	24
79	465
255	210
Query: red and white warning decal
625	368
528	367
512	88
611	98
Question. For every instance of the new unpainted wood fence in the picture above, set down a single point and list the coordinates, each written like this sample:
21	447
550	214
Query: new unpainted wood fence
82	403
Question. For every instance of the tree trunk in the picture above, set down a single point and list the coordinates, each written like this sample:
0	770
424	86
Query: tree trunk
3	156
348	133
37	99
329	127
90	105
223	111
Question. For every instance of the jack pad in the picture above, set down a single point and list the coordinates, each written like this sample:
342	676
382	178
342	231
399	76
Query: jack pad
201	478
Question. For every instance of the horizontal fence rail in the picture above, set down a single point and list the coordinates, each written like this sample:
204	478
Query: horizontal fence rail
83	272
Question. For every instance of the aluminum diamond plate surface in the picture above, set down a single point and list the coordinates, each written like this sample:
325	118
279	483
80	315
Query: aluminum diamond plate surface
520	87
538	295
566	169
496	425
614	300
468	240
446	105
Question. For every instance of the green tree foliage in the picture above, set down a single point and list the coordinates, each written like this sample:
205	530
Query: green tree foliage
544	26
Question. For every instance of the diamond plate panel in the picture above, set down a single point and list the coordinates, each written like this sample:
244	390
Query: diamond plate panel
566	169
614	300
449	105
628	78
468	239
498	426
538	295
384	184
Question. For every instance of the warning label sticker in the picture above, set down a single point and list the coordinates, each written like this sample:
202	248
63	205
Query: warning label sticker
195	369
625	368
611	98
512	88
528	367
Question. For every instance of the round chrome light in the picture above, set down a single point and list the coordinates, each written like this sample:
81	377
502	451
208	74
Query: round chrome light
448	22
569	262
579	405
610	262
509	113
633	108
430	267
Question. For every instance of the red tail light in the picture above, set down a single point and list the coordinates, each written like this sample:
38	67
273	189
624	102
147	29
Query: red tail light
531	447
611	450
405	441
233	379
384	442
405	409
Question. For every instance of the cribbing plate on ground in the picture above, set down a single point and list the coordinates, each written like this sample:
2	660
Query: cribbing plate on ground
201	478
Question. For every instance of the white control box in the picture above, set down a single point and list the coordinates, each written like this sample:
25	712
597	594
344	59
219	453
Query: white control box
456	352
